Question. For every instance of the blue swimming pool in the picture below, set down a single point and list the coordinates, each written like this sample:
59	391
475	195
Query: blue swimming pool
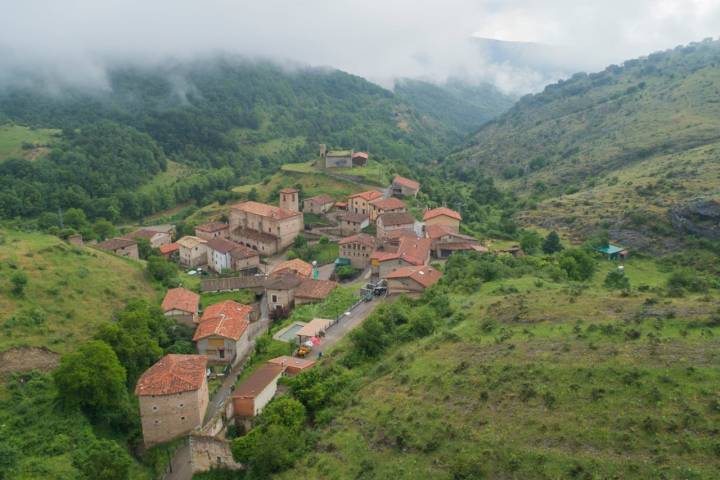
288	334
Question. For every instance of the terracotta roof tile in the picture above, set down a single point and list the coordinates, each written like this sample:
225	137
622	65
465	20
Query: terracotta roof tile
292	365
231	327
241	251
361	238
352	217
264	210
390	203
181	299
258	381
301	267
173	374
222	245
189	241
116	243
369	195
226	309
283	281
438	231
169	248
315	289
414	250
320	200
142	233
424	275
436	212
406	182
360	154
212	227
396	218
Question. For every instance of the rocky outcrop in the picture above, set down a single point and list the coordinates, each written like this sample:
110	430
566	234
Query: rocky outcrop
700	217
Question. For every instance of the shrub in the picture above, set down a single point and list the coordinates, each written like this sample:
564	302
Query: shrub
19	280
687	279
552	244
616	279
345	272
578	264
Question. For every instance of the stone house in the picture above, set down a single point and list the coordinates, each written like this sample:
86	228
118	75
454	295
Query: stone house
338	159
193	251
386	205
353	223
446	241
357	248
442	216
265	228
359	159
318	205
122	247
164	228
297	266
155	239
388	222
290	199
223	339
411	252
182	305
412	279
244	260
313	291
252	395
171	251
286	289
404	187
219	254
173	397
208	231
360	202
226	309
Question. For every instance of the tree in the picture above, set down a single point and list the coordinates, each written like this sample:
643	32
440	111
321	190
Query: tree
285	411
162	270
616	279
530	241
552	244
578	264
75	218
93	379
103	460
19	280
103	228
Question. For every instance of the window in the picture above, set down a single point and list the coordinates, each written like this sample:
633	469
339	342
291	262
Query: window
221	353
155	408
182	418
274	298
157	422
182	405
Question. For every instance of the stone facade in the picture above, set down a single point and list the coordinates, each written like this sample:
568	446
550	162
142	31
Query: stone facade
222	351
165	417
265	228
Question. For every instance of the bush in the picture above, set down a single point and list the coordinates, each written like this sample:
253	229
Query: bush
19	280
578	264
616	279
687	279
345	272
552	244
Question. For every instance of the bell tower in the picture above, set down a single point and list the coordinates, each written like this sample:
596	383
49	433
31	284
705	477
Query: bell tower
290	199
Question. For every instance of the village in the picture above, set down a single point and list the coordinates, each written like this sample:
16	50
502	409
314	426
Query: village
388	250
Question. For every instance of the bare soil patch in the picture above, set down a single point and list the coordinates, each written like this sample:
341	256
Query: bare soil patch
25	359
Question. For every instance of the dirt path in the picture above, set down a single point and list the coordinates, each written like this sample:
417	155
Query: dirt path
25	359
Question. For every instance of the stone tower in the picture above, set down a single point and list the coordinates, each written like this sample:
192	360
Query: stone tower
290	199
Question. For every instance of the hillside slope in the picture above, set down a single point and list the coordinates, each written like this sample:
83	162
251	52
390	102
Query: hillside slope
530	378
70	291
642	132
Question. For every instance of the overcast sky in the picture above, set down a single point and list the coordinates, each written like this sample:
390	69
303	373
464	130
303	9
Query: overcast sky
377	39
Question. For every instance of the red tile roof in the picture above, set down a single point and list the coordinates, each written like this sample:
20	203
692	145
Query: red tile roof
382	256
222	245
296	265
438	231
292	365
231	327
241	251
406	182
226	309
258	381
181	299
320	199
436	212
369	195
173	374
390	203
212	227
361	238
142	233
116	243
414	250
424	275
352	217
315	289
396	218
264	210
169	248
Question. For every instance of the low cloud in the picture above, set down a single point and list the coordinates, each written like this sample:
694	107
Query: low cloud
73	42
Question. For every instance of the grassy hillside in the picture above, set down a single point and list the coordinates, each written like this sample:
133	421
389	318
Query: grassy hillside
646	127
465	107
70	291
536	378
22	142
